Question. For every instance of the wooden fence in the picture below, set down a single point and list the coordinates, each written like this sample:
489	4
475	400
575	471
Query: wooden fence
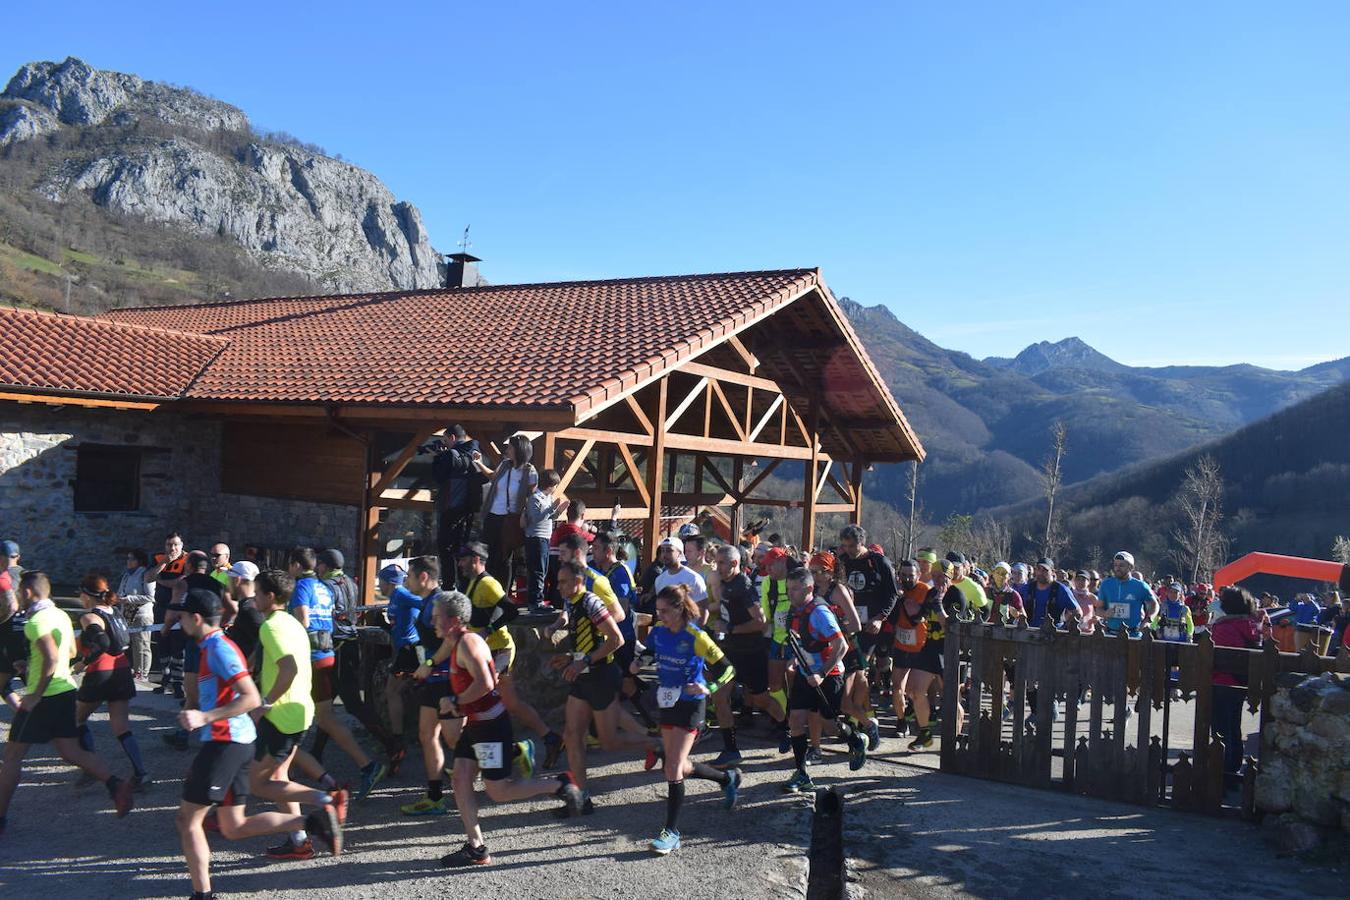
1101	753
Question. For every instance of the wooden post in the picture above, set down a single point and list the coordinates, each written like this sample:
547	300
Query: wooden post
738	508
812	474
651	534
859	466
549	455
368	529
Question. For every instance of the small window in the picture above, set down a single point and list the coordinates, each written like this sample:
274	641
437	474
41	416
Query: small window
107	479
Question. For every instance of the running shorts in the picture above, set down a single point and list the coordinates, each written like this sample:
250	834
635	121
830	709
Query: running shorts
53	717
599	686
803	696
928	659
752	668
685	715
273	742
108	686
405	660
490	744
219	774
322	689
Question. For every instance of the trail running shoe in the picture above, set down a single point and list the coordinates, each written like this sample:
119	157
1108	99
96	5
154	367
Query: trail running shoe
570	794
732	789
726	759
654	758
324	825
814	757
288	849
425	807
799	783
371	775
873	735
467	856
923	741
666	842
553	747
784	742
525	758
341	797
857	752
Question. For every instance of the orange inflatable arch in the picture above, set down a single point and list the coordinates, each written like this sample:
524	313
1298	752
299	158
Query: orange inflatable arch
1289	566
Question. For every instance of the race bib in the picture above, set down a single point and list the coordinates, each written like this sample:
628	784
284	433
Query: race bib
857	581
907	636
666	697
1120	611
489	755
1171	633
780	620
862	614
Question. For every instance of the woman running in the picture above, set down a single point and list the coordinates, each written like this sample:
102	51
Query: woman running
686	660
108	677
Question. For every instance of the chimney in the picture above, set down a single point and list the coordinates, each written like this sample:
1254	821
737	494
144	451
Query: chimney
461	271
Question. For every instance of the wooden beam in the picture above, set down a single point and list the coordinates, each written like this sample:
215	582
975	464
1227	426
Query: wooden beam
821	508
810	487
581	433
751	361
635	474
764	473
726	407
717	476
737	510
684	404
720	447
636	409
549	457
68	400
718	374
577	461
842	490
855	480
651	532
384	498
368	531
395	468
407	503
764	419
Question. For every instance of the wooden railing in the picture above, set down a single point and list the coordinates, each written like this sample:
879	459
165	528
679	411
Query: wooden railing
1104	751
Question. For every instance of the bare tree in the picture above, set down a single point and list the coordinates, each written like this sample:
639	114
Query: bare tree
1052	474
992	541
1340	550
912	495
1200	544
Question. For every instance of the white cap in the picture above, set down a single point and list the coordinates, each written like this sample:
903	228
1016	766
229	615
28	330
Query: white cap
1126	556
244	570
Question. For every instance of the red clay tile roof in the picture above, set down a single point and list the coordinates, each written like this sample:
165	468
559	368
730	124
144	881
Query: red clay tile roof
46	352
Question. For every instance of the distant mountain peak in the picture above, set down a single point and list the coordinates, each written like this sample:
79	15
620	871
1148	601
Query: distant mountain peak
1070	353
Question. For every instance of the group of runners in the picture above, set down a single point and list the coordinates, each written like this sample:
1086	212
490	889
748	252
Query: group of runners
806	640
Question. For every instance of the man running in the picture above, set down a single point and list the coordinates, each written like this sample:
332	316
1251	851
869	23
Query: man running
748	650
219	773
1124	601
916	657
285	714
312	606
591	670
432	678
871	578
486	742
817	677
836	594
773	598
46	713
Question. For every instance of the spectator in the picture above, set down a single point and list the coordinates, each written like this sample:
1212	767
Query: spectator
1305	611
1236	627
537	524
510	485
166	573
674	571
138	608
459	493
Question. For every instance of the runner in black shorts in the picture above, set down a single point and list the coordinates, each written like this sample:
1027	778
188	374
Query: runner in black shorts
219	773
592	672
869	575
916	658
689	668
748	651
839	598
486	742
107	672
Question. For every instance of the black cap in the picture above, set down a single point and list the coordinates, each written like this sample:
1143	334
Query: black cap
1046	561
957	558
473	548
204	603
332	558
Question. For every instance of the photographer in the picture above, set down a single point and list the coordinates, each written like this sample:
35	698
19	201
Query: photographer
459	493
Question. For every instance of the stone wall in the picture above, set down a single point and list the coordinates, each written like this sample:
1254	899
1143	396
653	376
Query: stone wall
1303	785
179	491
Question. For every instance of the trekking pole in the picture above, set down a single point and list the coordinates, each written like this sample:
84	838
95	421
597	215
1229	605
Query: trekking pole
805	666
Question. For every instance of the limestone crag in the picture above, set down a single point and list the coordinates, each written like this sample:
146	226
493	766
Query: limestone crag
201	168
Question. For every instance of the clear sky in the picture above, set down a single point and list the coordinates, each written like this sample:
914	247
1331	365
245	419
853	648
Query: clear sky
1167	181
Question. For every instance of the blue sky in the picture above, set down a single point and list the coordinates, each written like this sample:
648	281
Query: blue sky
1167	181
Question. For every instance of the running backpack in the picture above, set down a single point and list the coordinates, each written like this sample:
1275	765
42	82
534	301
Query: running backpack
344	602
119	638
910	636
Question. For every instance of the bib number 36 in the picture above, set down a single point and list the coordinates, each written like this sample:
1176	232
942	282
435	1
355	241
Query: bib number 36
667	697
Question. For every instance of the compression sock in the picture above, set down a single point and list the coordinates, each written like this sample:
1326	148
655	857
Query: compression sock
320	744
799	751
133	751
435	790
86	738
674	798
708	773
729	739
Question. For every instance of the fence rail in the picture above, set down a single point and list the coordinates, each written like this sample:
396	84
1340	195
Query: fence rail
1101	753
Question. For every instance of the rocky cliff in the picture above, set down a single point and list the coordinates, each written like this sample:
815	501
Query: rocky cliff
172	156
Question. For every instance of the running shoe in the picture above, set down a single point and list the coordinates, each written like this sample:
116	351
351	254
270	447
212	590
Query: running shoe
732	789
873	735
814	757
425	807
324	825
341	797
784	741
799	783
668	840
288	849
467	856
571	795
371	775
592	742
857	752
654	758
726	759
553	747
923	741
525	758
123	796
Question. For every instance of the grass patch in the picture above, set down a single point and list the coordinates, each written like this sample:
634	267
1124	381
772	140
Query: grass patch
29	261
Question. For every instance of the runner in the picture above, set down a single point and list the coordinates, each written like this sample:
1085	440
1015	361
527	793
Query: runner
492	611
916	658
592	672
817	676
108	677
285	714
773	597
1005	603
219	773
748	650
604	551
312	605
839	598
686	660
486	742
46	713
432	680
870	577
1174	621
1124	601
404	610
670	554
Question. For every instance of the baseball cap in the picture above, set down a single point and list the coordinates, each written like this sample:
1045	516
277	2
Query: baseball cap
1126	557
1046	561
946	566
954	557
773	555
204	603
9	548
1002	565
1020	567
1178	587
926	556
1081	573
674	544
244	570
473	548
688	530
331	558
393	573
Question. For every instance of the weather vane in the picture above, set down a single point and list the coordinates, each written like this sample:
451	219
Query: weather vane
464	243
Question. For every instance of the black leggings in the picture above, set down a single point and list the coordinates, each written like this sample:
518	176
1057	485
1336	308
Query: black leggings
1227	723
